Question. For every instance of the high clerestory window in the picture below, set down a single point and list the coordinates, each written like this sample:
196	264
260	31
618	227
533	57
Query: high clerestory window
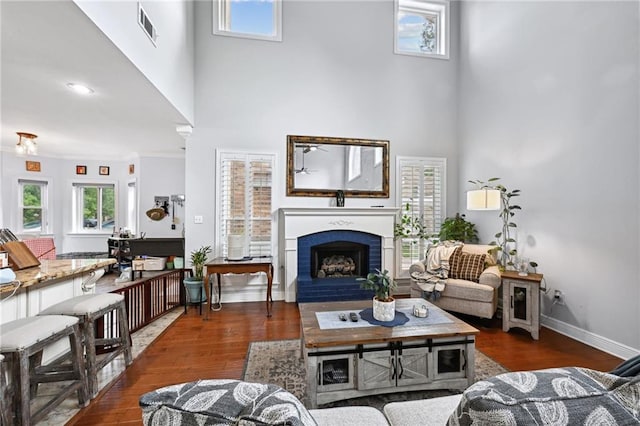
422	28
257	19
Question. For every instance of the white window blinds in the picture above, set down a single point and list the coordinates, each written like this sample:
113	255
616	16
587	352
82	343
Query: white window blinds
421	187
245	199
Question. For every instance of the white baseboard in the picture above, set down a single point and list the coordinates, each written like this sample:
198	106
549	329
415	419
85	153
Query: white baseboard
604	344
234	296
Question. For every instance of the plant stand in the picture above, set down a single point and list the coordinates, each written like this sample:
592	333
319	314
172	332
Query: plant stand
194	293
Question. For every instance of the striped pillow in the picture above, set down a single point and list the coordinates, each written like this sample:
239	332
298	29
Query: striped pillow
469	266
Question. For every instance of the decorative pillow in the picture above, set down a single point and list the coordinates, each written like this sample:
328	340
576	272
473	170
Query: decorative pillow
470	266
223	402
437	262
454	263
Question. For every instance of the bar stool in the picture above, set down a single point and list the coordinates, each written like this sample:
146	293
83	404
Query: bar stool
4	396
89	308
22	342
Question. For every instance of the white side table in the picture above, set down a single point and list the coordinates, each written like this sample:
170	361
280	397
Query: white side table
521	302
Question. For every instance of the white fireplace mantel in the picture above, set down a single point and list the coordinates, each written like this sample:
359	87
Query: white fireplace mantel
297	222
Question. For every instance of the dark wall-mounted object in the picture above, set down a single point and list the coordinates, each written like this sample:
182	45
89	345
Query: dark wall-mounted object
340	198
161	247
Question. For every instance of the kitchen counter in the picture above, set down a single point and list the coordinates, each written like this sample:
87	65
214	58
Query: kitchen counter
42	286
52	271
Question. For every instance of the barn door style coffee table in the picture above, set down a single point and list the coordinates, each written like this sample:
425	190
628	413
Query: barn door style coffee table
348	359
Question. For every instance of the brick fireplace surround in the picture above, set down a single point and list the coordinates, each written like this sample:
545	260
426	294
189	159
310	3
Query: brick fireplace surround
369	224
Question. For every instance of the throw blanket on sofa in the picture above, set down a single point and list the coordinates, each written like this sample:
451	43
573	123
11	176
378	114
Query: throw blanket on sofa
433	280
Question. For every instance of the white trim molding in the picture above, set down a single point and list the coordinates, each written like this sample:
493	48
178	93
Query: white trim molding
588	338
297	222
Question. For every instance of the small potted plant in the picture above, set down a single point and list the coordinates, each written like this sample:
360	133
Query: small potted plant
195	283
384	305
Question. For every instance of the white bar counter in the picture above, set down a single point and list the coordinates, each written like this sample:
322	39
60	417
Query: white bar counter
42	286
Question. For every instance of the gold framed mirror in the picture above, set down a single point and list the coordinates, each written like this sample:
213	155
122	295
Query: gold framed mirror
320	166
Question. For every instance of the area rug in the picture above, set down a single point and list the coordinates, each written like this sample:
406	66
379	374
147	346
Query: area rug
280	362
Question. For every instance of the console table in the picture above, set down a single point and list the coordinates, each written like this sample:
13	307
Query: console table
220	265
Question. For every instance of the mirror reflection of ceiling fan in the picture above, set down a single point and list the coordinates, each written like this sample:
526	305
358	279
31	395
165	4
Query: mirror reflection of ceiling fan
309	147
303	170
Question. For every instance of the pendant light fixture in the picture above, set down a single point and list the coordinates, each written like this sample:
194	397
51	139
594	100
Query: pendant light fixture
26	144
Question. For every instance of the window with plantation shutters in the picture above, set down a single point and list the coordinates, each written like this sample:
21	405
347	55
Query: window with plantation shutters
245	184
421	194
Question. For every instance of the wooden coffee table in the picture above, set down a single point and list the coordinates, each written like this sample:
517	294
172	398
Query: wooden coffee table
360	359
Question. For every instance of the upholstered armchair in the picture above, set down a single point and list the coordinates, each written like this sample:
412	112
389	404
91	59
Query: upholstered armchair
467	279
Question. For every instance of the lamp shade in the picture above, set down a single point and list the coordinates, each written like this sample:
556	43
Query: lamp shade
483	199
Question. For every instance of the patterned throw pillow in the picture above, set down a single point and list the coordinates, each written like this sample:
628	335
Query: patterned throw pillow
569	396
454	262
470	266
223	402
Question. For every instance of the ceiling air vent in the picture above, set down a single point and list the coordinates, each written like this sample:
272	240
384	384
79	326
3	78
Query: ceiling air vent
146	24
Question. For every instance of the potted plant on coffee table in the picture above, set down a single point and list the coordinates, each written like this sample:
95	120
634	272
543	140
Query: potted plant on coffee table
384	305
194	284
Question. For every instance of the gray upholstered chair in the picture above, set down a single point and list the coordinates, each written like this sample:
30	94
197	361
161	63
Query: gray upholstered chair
567	395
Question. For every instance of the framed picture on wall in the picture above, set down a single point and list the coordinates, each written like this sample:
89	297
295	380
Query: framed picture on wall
33	166
131	169
81	170
104	170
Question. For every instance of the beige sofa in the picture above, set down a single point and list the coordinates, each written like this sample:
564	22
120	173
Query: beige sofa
467	297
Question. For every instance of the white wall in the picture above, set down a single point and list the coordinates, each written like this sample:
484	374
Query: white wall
154	176
334	74
60	174
161	177
169	64
549	102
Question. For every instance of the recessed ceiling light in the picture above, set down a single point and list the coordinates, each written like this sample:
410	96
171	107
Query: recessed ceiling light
80	89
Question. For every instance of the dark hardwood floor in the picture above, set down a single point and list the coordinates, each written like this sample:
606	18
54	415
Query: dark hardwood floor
192	349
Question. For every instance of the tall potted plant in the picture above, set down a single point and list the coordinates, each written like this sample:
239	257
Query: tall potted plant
194	284
504	244
384	305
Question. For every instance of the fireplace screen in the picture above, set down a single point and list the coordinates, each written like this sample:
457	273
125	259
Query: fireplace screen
339	259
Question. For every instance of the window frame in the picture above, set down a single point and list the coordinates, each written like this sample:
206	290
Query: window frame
220	231
222	26
132	206
45	220
435	162
77	206
440	8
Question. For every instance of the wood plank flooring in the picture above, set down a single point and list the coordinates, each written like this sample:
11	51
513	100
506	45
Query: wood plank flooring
192	349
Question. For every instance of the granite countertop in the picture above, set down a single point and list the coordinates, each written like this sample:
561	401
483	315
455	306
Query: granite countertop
52	270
